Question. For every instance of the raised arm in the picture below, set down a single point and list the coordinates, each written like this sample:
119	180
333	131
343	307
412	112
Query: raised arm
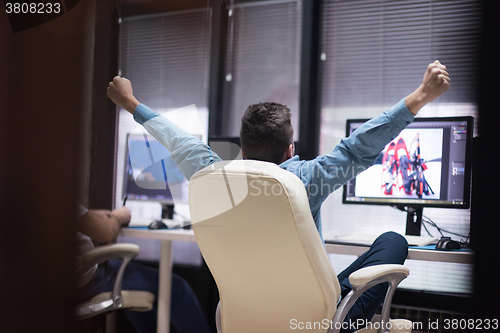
189	153
356	153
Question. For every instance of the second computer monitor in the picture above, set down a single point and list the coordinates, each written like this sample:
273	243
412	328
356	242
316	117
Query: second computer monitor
427	165
150	172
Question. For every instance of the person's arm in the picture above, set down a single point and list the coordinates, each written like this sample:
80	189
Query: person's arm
101	225
189	153
359	151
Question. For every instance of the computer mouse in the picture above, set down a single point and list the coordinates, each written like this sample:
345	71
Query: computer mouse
446	243
158	224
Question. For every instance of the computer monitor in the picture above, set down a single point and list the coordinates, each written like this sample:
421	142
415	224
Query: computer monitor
427	165
151	174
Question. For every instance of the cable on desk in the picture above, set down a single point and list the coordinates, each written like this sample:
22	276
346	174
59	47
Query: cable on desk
427	220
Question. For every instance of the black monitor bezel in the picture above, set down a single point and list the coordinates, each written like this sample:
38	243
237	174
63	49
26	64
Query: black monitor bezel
468	167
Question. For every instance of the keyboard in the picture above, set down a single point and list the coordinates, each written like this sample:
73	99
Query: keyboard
367	239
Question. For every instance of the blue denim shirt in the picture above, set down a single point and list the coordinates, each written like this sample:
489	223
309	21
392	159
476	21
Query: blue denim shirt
321	176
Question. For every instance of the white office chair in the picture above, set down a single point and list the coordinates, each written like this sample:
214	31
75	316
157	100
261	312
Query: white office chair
254	227
118	299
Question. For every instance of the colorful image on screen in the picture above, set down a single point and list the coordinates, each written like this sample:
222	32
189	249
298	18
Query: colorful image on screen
410	166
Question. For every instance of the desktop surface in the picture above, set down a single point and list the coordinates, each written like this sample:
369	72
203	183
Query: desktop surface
331	246
367	239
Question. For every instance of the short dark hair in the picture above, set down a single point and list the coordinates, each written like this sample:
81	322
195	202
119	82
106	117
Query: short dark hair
266	132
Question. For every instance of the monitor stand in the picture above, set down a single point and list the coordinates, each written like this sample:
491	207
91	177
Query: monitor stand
413	221
167	211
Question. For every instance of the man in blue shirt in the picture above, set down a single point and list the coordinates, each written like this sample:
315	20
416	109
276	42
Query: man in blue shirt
267	134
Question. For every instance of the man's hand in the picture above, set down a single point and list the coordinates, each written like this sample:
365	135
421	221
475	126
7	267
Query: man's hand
122	214
120	92
435	83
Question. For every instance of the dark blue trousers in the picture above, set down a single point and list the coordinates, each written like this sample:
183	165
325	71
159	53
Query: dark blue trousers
388	248
186	315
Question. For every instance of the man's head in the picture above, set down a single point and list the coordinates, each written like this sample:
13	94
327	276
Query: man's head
266	133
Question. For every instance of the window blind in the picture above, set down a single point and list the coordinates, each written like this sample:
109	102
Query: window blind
262	58
375	53
166	57
377	50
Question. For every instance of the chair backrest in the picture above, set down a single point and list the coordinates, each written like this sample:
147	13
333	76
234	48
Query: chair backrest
254	227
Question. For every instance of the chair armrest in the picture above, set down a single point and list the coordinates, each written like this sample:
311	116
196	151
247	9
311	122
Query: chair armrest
368	274
103	253
365	278
100	254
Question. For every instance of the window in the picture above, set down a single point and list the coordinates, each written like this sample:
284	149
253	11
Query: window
166	56
262	58
374	54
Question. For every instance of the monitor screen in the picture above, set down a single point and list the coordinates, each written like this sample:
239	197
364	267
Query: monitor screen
150	172
427	165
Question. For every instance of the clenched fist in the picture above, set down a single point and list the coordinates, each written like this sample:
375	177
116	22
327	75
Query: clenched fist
435	83
121	93
436	80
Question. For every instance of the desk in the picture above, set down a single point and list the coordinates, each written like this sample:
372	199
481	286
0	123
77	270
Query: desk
460	257
167	236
